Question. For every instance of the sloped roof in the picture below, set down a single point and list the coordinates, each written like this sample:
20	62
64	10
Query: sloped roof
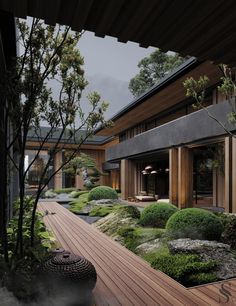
53	137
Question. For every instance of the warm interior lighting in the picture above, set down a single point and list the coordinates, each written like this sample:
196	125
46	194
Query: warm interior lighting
148	167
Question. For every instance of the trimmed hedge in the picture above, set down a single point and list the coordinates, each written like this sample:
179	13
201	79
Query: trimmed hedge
156	215
102	192
194	223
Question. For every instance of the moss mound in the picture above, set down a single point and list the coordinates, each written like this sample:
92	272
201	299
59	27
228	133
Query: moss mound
194	223
102	192
187	269
156	215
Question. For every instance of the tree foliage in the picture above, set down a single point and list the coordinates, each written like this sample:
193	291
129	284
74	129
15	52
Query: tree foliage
81	163
196	89
152	69
47	54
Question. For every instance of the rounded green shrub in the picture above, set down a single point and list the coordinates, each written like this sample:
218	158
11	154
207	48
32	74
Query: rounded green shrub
102	192
194	223
156	215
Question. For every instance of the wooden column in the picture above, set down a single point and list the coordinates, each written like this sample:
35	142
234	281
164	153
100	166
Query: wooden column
127	178
233	175
185	177
173	176
58	176
228	174
218	188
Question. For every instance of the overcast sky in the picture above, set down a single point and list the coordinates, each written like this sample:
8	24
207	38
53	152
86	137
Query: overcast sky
109	65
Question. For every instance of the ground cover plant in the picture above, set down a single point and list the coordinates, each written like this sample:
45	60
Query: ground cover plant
79	203
193	263
188	269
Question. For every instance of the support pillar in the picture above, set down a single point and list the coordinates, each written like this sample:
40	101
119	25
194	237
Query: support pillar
127	178
234	175
228	174
58	176
185	177
173	176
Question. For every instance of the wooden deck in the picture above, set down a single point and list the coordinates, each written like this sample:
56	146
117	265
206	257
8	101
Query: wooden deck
123	278
219	293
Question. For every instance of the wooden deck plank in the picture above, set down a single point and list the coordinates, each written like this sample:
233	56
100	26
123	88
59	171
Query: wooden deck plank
212	294
143	279
123	278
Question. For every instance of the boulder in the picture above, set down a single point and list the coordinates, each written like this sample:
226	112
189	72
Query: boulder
115	220
150	246
208	250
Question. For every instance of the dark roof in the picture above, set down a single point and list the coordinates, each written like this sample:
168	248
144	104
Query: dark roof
200	28
66	139
171	77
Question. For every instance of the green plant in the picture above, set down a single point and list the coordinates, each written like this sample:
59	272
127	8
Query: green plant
19	275
194	223
134	236
102	192
130	211
229	233
101	211
185	268
78	204
76	194
157	214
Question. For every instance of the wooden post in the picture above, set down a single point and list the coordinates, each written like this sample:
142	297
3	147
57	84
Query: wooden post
127	178
173	176
58	176
185	177
228	174
233	175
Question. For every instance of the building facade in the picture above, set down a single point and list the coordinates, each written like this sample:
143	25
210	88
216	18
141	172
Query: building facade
169	149
93	147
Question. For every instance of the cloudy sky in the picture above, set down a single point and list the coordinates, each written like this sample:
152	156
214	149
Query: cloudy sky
109	65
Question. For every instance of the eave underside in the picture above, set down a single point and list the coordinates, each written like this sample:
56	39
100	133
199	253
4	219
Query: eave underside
204	29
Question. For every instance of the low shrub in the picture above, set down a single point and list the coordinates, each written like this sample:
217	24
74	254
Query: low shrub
194	223
187	269
229	233
130	211
157	214
76	194
102	192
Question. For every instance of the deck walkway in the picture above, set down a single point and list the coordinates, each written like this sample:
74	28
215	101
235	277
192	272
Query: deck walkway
219	293
123	278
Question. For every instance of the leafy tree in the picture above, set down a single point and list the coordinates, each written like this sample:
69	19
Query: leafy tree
82	164
195	88
49	54
152	69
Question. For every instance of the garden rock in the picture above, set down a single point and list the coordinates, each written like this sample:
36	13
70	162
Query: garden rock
112	222
149	246
105	202
208	250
